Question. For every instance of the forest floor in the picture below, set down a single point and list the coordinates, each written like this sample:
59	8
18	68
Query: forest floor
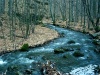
40	36
73	25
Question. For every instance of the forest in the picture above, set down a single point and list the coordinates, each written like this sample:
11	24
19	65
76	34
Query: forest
49	37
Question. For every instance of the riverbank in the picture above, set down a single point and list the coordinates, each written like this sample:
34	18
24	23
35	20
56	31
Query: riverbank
29	61
39	37
77	26
73	26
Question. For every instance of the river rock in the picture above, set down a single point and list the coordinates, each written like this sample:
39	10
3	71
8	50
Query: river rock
78	54
62	50
28	71
59	50
71	42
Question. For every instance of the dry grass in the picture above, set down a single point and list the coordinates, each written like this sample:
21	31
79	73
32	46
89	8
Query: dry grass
40	36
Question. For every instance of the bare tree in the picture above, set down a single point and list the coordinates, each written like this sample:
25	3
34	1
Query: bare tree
90	16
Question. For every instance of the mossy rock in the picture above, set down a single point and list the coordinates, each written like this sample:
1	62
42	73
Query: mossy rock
71	42
78	54
61	50
66	49
58	50
25	47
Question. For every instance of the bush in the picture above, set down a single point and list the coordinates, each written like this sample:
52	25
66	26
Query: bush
78	54
25	47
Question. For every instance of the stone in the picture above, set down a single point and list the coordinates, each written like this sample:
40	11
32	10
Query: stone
58	50
28	71
78	54
71	42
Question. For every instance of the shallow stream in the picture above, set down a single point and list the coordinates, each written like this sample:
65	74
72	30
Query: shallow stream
18	61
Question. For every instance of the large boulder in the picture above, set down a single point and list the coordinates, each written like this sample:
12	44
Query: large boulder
71	42
78	54
59	50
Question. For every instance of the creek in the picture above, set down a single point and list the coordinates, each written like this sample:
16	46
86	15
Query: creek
19	61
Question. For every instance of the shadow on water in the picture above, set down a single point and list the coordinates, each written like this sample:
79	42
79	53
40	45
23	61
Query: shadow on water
21	62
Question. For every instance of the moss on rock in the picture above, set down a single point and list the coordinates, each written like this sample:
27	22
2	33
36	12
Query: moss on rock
78	54
25	47
59	50
71	42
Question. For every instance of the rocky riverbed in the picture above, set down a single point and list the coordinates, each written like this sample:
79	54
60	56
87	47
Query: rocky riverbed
75	55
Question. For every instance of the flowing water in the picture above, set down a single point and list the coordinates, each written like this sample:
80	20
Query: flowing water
18	61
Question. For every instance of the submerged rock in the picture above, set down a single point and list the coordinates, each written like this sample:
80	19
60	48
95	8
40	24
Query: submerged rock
28	71
78	54
71	42
62	50
59	50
